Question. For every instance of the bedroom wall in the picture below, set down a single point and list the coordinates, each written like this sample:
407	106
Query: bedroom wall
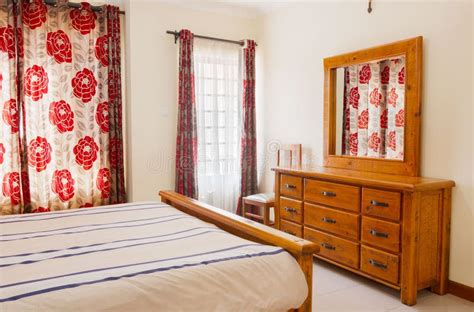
152	83
294	40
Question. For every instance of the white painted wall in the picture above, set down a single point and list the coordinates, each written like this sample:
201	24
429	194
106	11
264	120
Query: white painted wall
152	85
293	42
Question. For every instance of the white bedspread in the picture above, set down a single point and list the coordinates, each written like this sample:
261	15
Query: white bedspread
139	257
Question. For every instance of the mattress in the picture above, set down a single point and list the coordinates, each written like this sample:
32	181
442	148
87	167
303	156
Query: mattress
139	257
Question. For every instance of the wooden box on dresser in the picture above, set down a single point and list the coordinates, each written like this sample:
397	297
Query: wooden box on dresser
391	229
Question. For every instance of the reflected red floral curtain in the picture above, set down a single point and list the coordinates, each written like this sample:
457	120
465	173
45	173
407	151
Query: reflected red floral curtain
374	116
248	157
186	140
61	143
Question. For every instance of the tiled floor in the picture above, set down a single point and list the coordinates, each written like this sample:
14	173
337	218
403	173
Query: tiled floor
335	289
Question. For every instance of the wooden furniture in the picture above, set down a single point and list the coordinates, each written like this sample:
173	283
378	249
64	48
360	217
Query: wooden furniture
302	250
291	156
391	229
373	216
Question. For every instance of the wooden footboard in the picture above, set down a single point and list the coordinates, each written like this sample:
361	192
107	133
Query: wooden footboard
302	250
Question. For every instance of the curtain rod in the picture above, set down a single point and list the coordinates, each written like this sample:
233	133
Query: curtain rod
74	5
176	37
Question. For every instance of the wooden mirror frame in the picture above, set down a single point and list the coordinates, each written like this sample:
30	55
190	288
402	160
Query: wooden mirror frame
412	49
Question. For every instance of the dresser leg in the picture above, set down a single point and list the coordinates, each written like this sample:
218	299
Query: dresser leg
408	296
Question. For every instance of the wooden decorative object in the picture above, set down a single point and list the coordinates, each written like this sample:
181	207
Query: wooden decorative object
412	49
302	250
392	229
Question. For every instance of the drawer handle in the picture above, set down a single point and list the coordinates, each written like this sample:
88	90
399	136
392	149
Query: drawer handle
290	210
378	234
328	246
290	186
379	204
328	194
377	264
328	220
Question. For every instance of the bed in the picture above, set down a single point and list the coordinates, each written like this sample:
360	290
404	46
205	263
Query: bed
178	255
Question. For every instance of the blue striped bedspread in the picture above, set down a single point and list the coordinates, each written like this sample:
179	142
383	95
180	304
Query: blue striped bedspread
144	256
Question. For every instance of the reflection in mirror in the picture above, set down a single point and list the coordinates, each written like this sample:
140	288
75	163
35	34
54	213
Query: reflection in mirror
370	109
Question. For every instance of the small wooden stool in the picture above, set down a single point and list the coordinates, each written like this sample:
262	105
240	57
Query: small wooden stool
265	201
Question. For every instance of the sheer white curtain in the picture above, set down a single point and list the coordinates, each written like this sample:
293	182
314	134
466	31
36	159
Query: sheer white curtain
218	99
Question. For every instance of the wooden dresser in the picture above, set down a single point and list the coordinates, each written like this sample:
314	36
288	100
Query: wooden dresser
391	229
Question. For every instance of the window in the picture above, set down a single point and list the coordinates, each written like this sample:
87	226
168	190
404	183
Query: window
218	100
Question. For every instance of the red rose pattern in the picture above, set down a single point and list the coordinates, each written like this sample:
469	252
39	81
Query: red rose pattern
1	82
86	152
400	118
86	205
103	182
39	153
36	82
353	143
375	97
34	13
392	97
365	74
102	116
10	115
385	75
374	142
384	119
347	121
41	209
2	152
401	76
392	140
59	47
84	85
63	184
363	122
7	41
102	50
11	187
61	116
83	18
354	97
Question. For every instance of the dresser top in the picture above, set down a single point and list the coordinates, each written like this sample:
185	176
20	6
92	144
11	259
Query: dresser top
395	182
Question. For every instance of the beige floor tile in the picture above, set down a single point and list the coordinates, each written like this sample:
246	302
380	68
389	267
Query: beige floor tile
337	290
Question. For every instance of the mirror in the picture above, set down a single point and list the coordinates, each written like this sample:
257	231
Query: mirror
370	109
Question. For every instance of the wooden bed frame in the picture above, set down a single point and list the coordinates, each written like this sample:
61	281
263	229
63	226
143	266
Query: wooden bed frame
302	250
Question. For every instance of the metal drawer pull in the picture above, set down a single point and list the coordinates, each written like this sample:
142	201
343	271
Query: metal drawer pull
290	210
328	246
377	264
290	186
379	204
328	220
328	194
378	234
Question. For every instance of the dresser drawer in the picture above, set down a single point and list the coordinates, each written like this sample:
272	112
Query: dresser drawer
291	186
291	228
332	194
334	248
332	220
380	233
291	209
379	264
382	204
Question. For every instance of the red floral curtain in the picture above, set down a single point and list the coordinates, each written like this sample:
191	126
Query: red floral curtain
374	116
186	140
248	157
64	111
